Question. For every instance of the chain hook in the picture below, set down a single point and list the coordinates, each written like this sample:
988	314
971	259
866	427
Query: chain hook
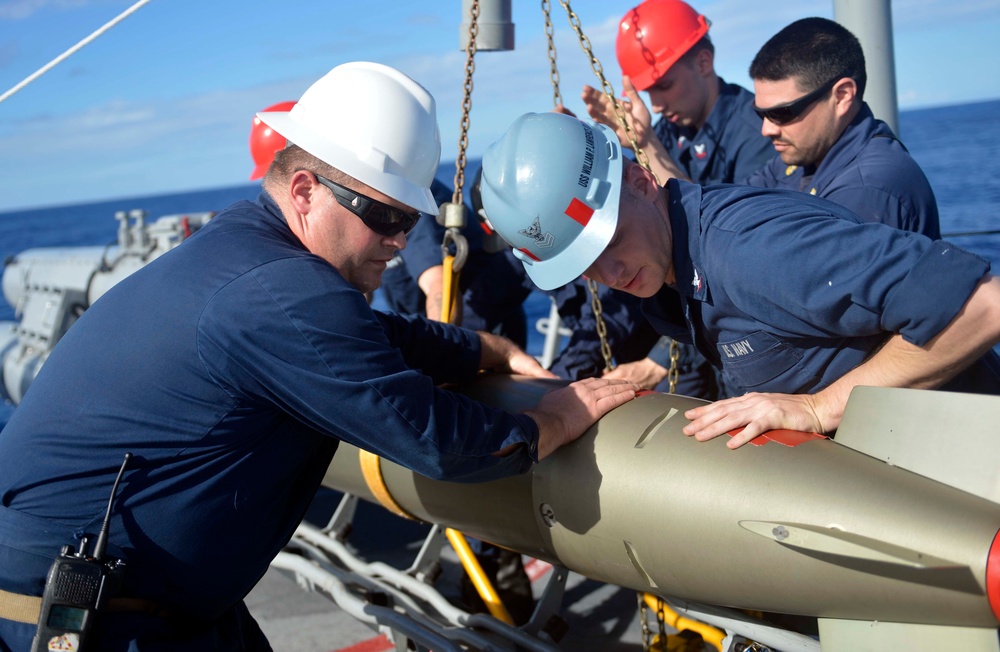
455	236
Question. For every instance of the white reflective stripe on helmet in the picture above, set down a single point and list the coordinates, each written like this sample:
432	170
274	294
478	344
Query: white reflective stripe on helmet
551	187
373	123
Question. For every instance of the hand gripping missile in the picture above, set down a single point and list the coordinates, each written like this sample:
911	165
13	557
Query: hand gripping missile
795	524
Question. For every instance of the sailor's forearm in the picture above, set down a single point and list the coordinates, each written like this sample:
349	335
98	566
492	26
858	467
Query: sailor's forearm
898	363
660	162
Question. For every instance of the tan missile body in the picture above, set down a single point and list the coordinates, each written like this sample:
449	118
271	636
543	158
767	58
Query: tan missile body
815	528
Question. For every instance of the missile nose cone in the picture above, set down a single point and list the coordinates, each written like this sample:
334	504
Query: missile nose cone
993	576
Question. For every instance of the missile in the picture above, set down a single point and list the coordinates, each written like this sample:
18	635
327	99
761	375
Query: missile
795	523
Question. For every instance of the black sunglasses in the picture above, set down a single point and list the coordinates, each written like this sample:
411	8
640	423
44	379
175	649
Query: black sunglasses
380	218
785	113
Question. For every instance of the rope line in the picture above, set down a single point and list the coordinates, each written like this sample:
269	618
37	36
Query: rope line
65	55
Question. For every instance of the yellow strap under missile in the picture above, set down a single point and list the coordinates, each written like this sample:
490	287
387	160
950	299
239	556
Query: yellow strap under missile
448	294
478	576
709	634
371	470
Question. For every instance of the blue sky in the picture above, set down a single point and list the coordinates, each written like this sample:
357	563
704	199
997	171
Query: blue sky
163	101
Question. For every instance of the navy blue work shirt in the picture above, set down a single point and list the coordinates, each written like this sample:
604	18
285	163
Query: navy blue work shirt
629	336
867	170
230	368
787	293
727	148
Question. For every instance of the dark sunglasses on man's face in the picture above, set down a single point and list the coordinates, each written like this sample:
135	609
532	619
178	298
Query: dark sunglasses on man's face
785	113
380	218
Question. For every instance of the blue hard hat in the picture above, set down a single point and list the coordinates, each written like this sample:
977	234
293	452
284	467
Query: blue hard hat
551	187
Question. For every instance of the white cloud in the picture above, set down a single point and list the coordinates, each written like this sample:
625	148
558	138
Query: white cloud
22	9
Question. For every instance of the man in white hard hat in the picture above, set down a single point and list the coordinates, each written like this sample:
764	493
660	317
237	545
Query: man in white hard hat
231	367
796	299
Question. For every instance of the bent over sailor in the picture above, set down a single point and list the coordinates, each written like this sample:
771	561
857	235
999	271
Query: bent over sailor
796	299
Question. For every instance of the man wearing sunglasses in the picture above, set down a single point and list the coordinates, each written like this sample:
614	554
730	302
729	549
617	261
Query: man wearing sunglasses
232	366
809	81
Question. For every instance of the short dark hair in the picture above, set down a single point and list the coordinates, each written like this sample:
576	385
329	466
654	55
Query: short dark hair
704	43
813	50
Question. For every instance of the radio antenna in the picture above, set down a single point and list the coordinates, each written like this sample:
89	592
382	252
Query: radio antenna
102	538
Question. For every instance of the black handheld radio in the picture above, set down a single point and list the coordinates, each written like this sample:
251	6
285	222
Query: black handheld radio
78	586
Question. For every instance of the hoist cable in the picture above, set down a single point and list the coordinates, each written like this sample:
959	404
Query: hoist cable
65	55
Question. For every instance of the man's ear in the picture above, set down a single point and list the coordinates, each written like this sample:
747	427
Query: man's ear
301	188
844	92
641	180
704	62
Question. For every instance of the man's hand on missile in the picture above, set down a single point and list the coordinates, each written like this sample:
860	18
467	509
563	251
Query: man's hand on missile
502	354
645	373
527	365
564	414
757	412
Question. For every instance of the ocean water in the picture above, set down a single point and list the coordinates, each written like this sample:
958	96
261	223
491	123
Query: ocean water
957	146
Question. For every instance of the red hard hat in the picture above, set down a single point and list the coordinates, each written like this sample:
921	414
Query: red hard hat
653	36
264	141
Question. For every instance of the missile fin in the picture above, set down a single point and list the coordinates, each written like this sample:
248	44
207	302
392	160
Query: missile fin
633	556
875	636
655	427
946	436
834	541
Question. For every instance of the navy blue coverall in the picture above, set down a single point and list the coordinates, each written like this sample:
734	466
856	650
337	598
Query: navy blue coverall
230	368
787	293
728	148
867	170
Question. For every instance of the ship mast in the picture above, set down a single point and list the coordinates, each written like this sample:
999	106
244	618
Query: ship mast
871	22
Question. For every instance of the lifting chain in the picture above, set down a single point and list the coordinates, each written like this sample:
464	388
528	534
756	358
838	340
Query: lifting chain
602	329
648	643
640	157
453	216
595	301
651	643
453	219
673	373
554	71
609	92
463	139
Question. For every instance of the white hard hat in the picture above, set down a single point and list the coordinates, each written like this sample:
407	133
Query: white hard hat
551	188
373	123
